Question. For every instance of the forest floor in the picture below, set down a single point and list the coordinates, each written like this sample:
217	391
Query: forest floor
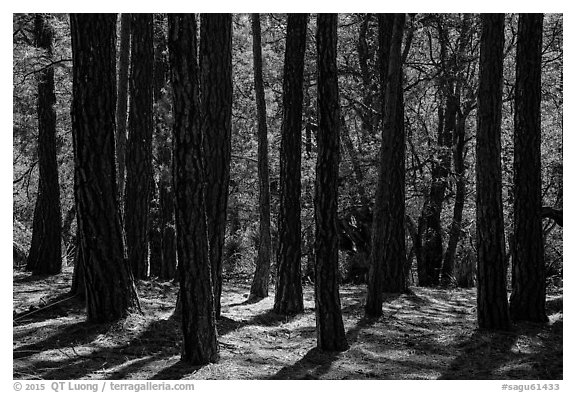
427	334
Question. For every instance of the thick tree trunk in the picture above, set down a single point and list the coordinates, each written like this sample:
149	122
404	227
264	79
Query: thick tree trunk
216	100
199	344
492	296
260	282
528	298
329	326
45	256
122	103
288	297
388	254
110	290
139	145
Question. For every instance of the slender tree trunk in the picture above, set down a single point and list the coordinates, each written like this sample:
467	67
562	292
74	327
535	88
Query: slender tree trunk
459	199
216	101
288	297
78	286
369	116
139	179
110	290
199	344
165	266
456	124
329	326
431	224
260	282
528	298
355	162
492	296
122	103
388	253
45	256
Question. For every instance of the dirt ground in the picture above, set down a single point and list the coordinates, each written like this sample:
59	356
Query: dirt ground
428	334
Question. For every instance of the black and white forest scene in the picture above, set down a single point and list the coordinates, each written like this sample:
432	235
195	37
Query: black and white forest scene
274	196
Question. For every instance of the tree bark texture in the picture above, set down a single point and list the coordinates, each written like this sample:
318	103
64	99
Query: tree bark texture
216	102
122	103
199	344
288	297
528	298
492	296
45	256
110	290
139	144
388	254
260	282
329	326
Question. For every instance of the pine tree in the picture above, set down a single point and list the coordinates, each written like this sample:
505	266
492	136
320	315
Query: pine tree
199	344
492	296
329	325
139	179
45	256
288	297
528	298
216	112
259	287
110	290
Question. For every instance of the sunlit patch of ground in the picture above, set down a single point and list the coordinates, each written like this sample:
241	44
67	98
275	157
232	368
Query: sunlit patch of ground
427	334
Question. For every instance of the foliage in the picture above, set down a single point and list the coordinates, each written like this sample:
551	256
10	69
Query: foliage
358	83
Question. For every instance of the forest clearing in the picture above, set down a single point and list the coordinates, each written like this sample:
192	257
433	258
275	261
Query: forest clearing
426	334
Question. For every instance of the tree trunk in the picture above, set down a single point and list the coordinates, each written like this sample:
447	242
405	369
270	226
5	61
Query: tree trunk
139	144
260	282
528	298
199	344
492	297
459	199
45	256
110	290
369	116
216	100
78	286
122	103
456	125
329	326
288	297
431	225
355	162
388	253
165	266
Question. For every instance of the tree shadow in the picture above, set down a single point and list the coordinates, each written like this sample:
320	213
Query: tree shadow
176	371
69	336
31	278
486	351
49	308
317	362
246	302
481	355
